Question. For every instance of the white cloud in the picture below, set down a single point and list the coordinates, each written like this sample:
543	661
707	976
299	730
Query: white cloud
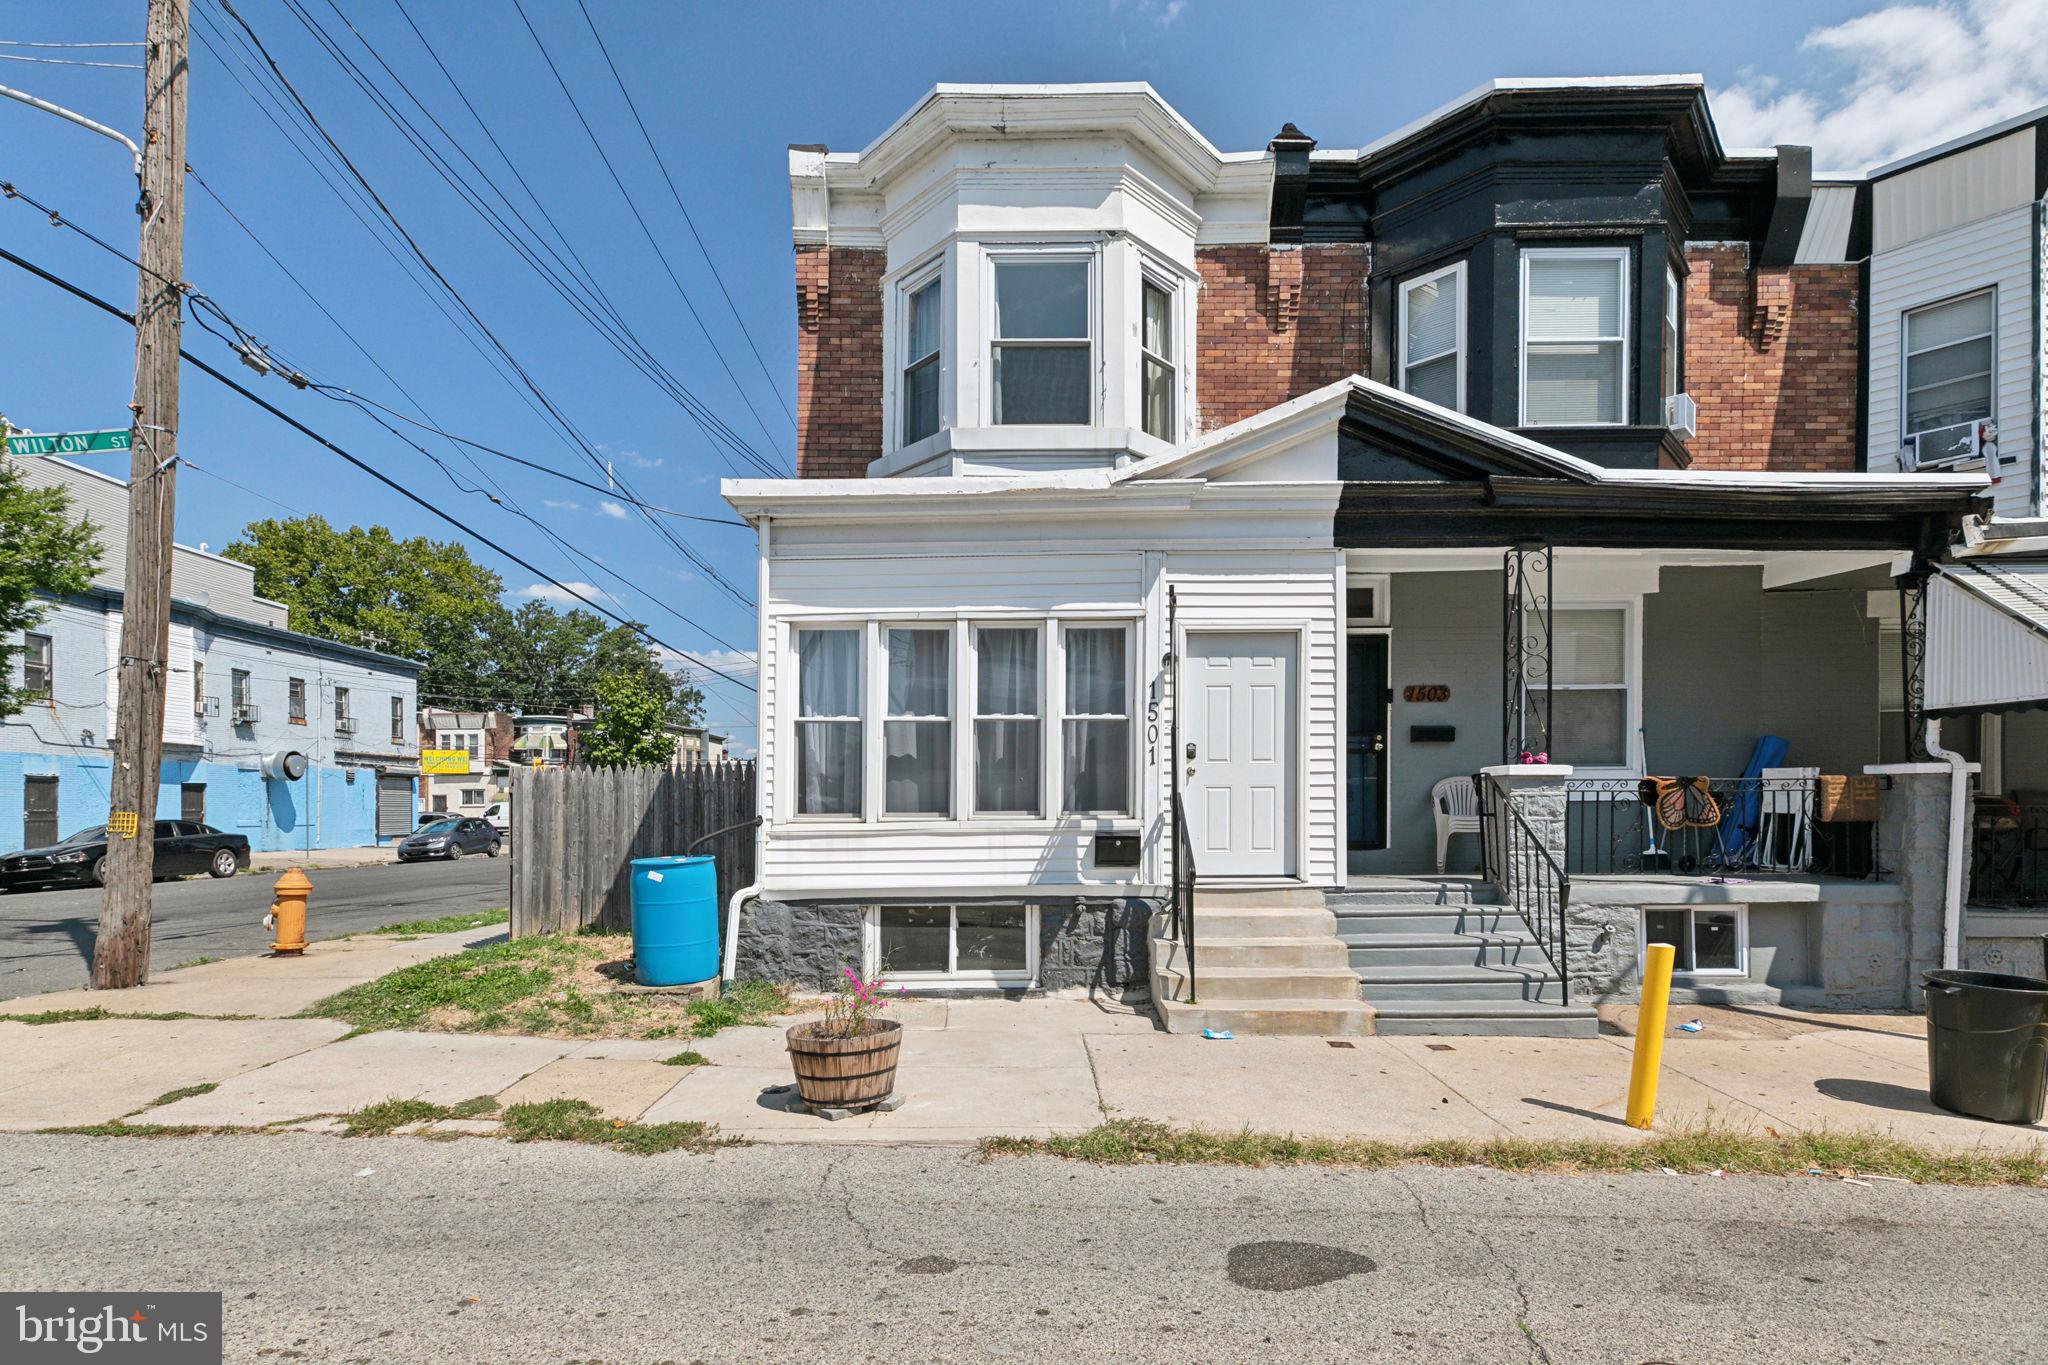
612	509
1160	12
562	596
1906	77
639	461
740	663
561	506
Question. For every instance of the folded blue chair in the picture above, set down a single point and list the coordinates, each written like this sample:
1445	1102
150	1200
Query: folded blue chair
1747	815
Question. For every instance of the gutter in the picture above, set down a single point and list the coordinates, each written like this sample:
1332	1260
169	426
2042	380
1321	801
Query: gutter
762	712
1958	820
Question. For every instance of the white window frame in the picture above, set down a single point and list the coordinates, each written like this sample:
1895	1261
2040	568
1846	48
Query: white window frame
1631	609
398	720
975	715
1906	355
1381	586
1457	271
1678	967
1617	254
871	947
1089	253
864	689
341	704
1149	278
912	282
1672	349
295	701
1132	770
877	678
31	641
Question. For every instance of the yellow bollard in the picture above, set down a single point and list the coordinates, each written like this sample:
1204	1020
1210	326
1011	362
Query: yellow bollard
1649	1034
1642	1076
289	911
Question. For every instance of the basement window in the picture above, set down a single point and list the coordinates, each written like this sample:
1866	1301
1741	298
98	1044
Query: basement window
1708	942
956	944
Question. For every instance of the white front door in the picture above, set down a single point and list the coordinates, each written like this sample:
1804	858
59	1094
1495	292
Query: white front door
1240	779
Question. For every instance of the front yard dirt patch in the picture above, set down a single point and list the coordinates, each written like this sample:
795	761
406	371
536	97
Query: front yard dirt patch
555	986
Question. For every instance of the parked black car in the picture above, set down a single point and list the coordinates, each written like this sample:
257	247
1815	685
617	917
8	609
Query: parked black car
183	848
449	838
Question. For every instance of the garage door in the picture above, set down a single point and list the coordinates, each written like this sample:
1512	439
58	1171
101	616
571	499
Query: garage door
394	807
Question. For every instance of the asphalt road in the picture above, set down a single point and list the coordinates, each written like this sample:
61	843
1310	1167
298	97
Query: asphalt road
46	937
396	1249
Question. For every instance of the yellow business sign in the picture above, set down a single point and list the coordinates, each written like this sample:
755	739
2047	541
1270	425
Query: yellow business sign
444	762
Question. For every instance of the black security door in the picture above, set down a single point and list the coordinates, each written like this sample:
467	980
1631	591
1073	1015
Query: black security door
1365	743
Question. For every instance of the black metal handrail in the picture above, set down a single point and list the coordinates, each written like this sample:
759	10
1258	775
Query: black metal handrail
1516	859
2009	853
1180	915
1712	826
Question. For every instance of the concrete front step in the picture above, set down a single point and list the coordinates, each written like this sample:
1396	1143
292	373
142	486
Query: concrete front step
1364	951
1424	919
1468	1018
1255	984
1321	951
1337	1017
1386	984
1366	892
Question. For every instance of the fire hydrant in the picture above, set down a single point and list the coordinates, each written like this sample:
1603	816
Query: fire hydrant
288	912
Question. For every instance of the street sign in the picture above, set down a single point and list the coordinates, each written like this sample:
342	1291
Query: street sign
66	442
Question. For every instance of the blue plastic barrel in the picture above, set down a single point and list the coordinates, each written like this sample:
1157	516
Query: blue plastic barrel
675	920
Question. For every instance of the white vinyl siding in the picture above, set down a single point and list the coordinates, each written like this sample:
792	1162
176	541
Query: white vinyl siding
1950	191
1432	328
1996	253
1575	318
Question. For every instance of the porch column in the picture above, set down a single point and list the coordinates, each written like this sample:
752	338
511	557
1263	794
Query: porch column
1913	663
1525	653
1875	956
1535	791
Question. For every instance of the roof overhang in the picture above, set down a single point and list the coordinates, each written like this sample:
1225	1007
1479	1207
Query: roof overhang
1987	637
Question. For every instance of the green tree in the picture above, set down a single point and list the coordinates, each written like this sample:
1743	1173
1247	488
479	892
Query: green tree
43	554
539	659
623	649
421	599
626	728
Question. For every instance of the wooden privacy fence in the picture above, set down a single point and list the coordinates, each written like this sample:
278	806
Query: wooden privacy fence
576	831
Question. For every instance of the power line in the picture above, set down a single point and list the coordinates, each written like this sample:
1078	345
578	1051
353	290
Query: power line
442	280
688	221
19	42
228	382
68	61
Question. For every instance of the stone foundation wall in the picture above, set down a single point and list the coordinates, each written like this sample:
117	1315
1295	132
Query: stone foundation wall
1094	943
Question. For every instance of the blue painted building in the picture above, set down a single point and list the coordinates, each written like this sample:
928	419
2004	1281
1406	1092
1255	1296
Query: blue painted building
243	692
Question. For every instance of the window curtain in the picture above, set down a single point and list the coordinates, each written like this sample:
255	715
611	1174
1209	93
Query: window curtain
1006	750
828	758
917	736
1096	752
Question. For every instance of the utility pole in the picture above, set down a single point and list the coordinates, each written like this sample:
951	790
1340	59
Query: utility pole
121	955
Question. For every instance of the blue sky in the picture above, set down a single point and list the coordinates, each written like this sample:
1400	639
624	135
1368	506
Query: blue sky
724	89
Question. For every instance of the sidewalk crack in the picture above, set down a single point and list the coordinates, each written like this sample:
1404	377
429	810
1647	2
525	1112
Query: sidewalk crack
1537	1351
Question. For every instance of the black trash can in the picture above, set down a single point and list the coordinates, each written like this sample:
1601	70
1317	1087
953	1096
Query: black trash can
1987	1044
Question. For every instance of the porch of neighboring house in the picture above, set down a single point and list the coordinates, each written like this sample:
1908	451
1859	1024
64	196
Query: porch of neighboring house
1484	896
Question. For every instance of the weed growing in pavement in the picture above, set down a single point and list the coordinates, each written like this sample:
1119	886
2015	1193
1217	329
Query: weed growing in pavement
691	1058
1695	1151
375	1120
579	1121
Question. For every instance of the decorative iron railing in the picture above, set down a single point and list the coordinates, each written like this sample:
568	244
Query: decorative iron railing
1713	826
1514	858
1180	914
2009	853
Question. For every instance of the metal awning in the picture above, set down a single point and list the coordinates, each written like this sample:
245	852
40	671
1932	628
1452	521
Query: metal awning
1987	637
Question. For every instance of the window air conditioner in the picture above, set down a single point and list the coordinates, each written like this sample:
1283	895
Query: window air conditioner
248	713
1682	415
344	725
1951	447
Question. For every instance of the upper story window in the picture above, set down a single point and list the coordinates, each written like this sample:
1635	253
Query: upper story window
343	722
1674	332
1574	336
1433	337
295	700
1040	351
238	696
1157	378
398	720
38	665
921	333
1947	381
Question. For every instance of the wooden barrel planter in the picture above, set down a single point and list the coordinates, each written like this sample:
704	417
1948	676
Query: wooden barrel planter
845	1072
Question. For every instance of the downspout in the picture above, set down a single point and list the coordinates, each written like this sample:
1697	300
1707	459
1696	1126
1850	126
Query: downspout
761	746
1958	804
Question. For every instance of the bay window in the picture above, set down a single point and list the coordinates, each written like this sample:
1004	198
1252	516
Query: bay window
1006	720
1674	333
1948	377
1040	354
920	363
1096	745
1156	352
917	731
1588	671
1433	337
828	725
1574	337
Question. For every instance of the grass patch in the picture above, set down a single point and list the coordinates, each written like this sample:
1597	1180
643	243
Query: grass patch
579	1121
448	924
199	961
376	1120
689	1058
119	1128
96	1012
1124	1142
182	1093
558	986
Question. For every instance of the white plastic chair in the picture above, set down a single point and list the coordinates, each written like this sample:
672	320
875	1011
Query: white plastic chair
1455	803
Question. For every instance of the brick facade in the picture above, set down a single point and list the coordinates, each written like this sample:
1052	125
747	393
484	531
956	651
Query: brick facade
1773	365
838	361
1273	323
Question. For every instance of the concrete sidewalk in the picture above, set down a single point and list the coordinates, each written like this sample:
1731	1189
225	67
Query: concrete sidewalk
368	855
